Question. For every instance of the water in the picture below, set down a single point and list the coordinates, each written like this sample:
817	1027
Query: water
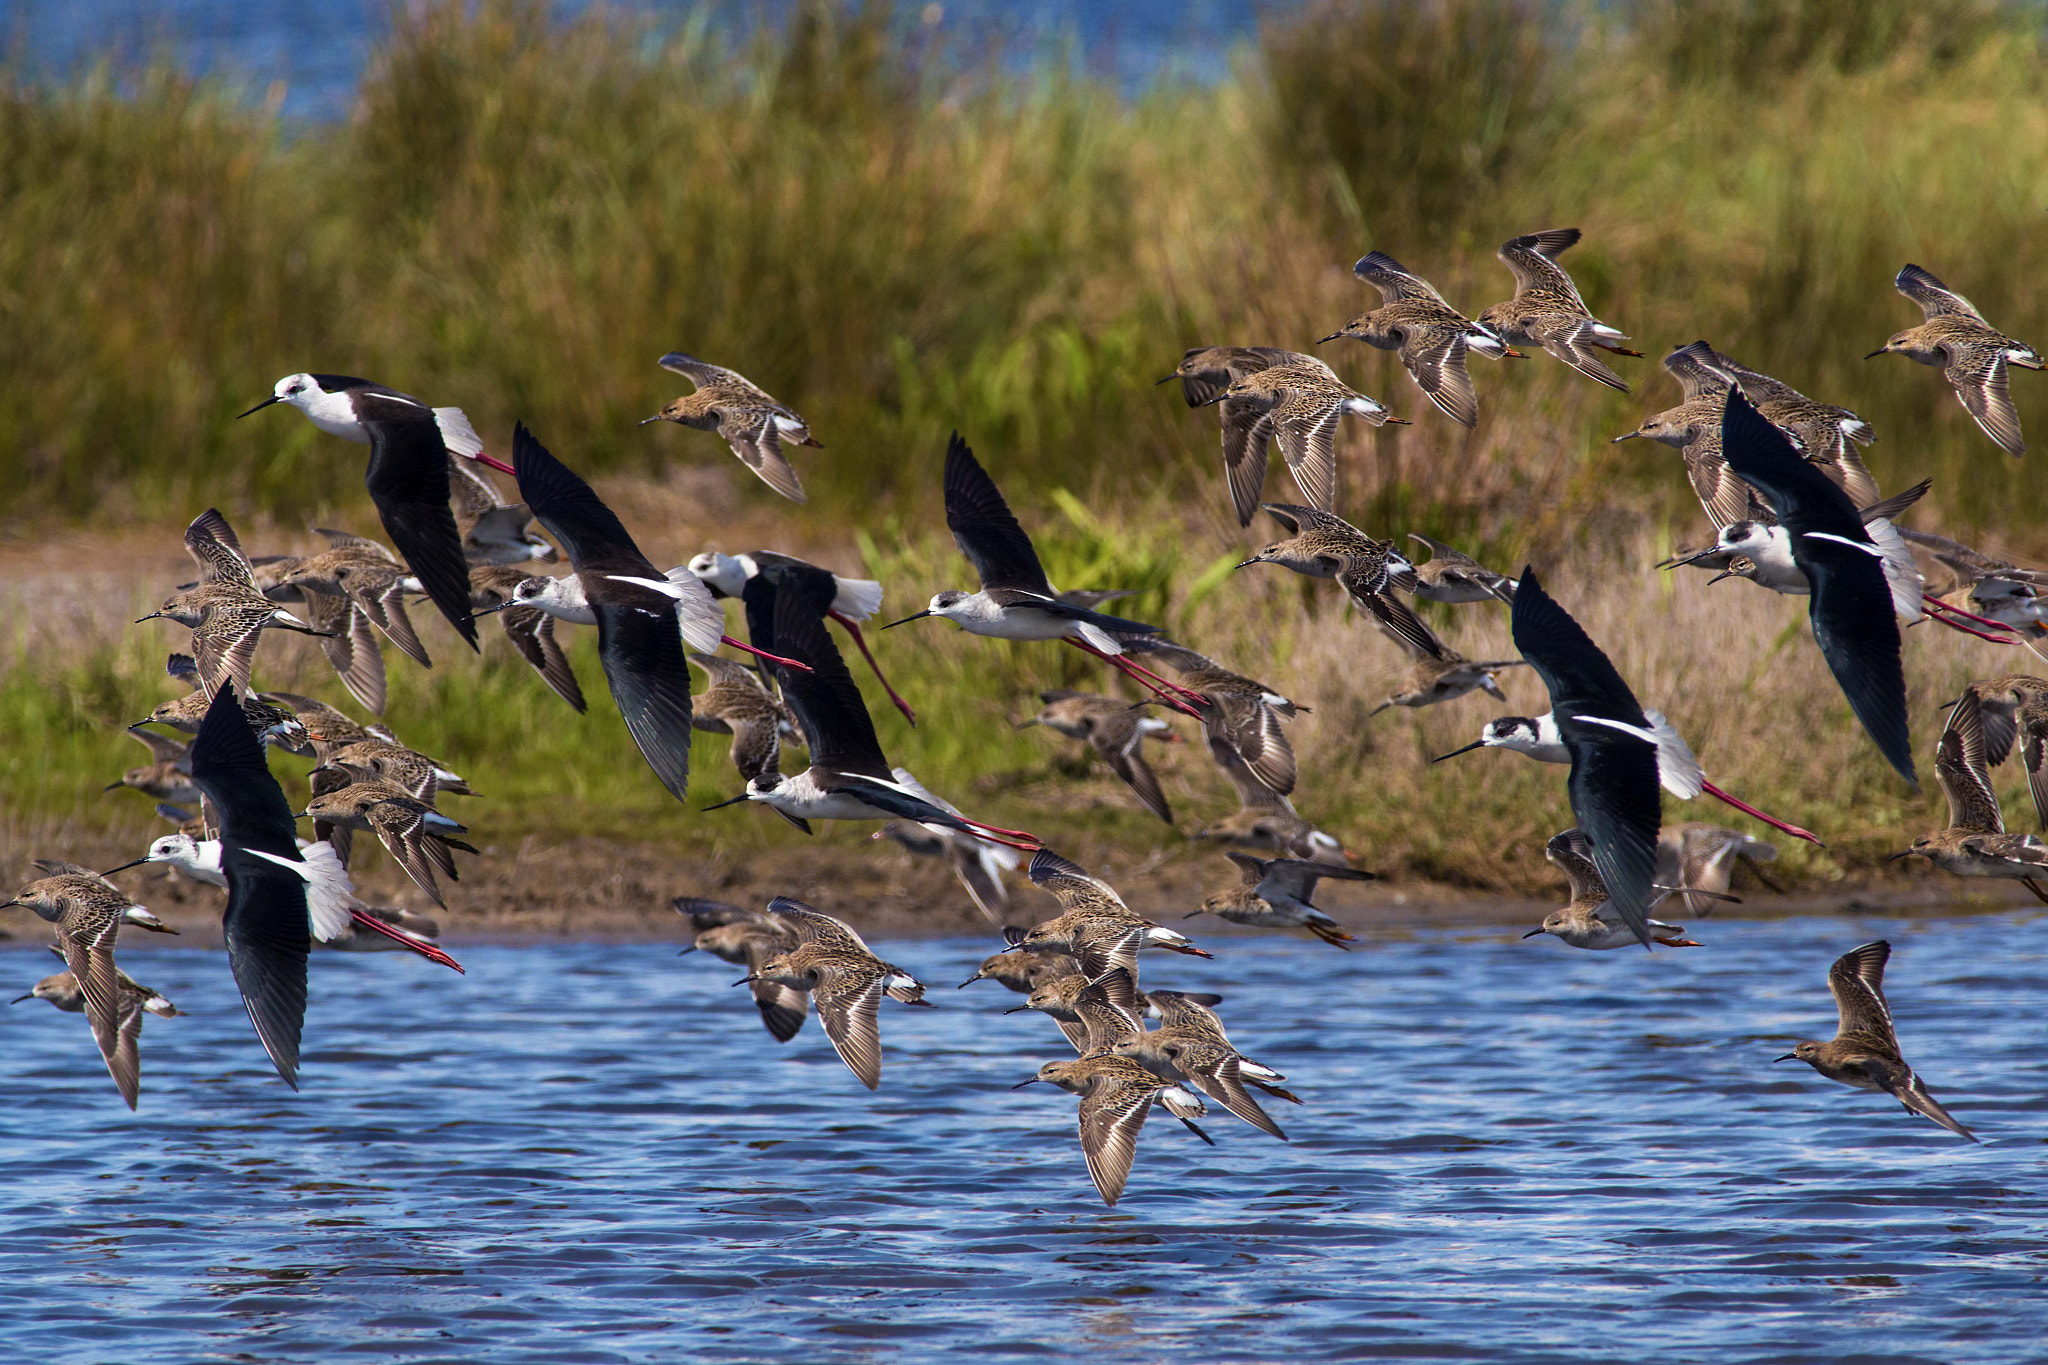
1510	1151
318	52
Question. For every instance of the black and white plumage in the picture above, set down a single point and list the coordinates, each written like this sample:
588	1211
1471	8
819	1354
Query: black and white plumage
1851	603
638	640
410	443
1614	782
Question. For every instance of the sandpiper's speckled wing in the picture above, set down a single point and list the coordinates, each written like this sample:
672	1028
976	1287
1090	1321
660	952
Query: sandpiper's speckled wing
1698	368
225	643
384	604
1112	1113
1857	983
1614	787
1838	459
849	1001
1455	566
1979	379
1570	338
754	437
1252	731
1068	883
532	633
1367	584
815	926
212	544
162	748
1297	877
705	375
86	931
1305	423
1725	496
1108	1010
1571	853
1246	430
350	645
1115	735
984	528
1851	603
1394	280
1532	259
783	1009
1216	1069
1960	768
1435	356
1935	298
124	1064
401	824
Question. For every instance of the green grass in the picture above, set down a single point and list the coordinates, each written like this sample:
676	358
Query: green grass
521	211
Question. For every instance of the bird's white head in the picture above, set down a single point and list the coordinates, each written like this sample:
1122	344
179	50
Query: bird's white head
1746	537
724	574
181	850
952	603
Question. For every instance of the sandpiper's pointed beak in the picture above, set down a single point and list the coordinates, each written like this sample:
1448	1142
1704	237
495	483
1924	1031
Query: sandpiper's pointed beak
1533	932
733	802
1025	724
1730	573
915	616
1246	564
691	949
1018	1086
645	420
151	617
1791	1056
1168	380
1475	744
1872	356
259	407
1907	854
969	982
32	995
1211	402
124	867
1019	1010
745	979
1627	436
113	786
1331	337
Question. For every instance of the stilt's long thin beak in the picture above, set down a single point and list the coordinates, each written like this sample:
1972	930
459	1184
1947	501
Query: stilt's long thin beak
906	620
1018	1086
124	867
733	802
491	610
1475	744
259	407
1532	933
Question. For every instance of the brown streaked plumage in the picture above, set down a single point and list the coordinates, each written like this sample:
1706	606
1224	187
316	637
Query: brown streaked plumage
531	630
226	613
1299	405
1547	311
87	911
1865	1050
1447	678
1276	893
1243	715
63	991
1021	972
1431	337
1323	545
1264	819
2013	710
1116	731
1975	843
494	532
168	777
1700	857
418	837
1972	355
845	980
737	704
1094	924
752	423
977	864
1589	921
750	939
1450	575
1116	1094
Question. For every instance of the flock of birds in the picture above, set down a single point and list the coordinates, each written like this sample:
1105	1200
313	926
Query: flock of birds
1794	510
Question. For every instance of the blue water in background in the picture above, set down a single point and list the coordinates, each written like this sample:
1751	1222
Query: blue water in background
1509	1151
319	50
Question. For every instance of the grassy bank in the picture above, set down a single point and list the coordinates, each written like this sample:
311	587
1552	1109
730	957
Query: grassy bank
522	211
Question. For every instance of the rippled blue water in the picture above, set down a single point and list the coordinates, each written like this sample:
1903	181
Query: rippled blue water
1510	1151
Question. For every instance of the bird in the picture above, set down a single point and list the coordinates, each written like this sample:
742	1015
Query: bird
845	980
752	423
1265	819
494	532
1324	545
1851	604
849	777
136	1000
1240	715
1587	921
640	640
407	476
418	837
1678	771
1450	575
201	860
1447	676
364	574
1822	432
87	911
853	600
1193	1057
737	703
1205	372
168	777
493	590
1116	1095
226	614
1298	403
1701	857
1094	925
1431	337
1973	355
1021	972
1015	601
1613	752
1975	843
978	864
1274	893
1998	588
750	938
273	724
1115	730
1547	311
1865	1050
2014	717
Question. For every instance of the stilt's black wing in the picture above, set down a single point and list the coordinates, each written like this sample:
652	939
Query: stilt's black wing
408	480
983	526
1851	606
266	925
1615	793
638	640
837	728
